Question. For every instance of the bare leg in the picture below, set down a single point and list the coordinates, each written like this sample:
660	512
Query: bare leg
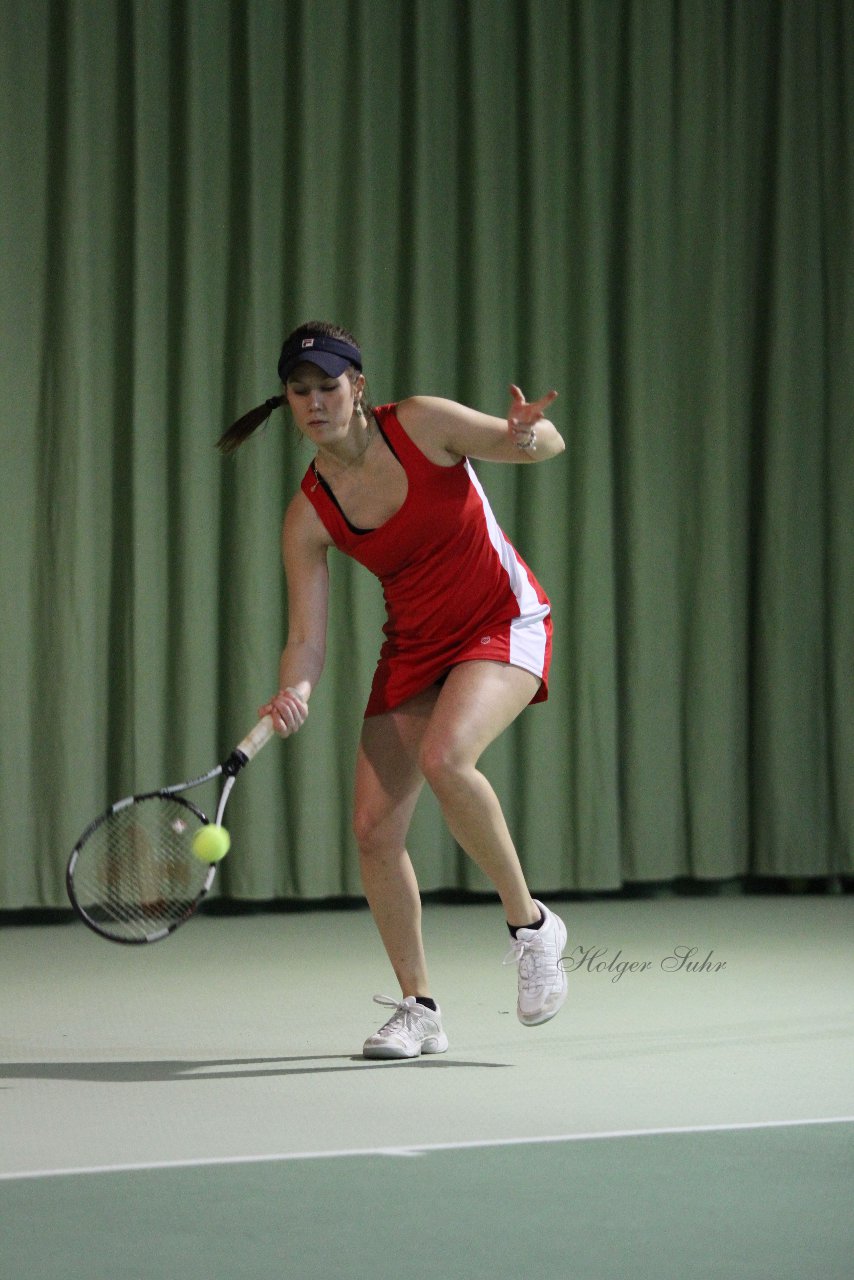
440	735
388	783
475	705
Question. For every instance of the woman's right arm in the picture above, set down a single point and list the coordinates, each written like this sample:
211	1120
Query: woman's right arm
305	543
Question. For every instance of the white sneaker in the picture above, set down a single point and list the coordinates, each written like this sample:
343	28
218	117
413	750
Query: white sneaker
542	981
410	1031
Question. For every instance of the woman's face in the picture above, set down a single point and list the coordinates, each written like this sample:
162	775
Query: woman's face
322	406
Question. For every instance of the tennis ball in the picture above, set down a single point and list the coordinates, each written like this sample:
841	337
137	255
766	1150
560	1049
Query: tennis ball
211	843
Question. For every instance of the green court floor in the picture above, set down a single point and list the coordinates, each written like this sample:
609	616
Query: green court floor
746	1203
201	1109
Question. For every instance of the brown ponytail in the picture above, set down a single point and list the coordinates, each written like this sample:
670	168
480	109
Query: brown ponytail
244	427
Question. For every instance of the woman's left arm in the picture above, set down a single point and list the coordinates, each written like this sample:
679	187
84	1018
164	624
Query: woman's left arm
446	431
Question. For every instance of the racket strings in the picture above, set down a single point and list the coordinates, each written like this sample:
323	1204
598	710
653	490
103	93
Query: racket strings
136	874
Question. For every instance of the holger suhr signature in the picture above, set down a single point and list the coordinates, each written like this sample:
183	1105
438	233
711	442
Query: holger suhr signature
682	959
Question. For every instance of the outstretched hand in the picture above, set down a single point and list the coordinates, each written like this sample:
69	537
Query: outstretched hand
522	416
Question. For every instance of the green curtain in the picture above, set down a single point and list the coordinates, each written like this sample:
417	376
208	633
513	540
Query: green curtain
647	205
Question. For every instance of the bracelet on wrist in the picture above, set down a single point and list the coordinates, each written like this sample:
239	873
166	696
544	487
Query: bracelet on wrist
530	443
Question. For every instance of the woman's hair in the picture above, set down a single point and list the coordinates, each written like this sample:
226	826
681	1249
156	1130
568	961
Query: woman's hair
246	426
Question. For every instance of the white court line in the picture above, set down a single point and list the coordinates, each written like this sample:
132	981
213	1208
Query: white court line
421	1149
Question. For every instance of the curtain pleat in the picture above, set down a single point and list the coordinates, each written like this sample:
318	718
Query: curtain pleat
646	204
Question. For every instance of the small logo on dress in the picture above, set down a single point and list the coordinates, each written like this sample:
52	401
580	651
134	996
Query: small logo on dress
307	342
486	639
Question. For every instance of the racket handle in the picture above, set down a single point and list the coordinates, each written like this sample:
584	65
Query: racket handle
257	738
250	746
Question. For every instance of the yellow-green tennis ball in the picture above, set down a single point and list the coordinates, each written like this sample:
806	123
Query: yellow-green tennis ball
211	843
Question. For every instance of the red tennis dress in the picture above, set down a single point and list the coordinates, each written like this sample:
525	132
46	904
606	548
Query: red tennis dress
455	588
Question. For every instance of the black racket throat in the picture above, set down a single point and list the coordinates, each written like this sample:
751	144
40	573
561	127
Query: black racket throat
235	762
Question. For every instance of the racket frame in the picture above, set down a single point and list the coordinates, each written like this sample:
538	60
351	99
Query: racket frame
245	751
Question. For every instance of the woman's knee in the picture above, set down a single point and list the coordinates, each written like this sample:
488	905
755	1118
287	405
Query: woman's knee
380	830
442	762
367	826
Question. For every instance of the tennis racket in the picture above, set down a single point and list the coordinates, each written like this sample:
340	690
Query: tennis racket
132	876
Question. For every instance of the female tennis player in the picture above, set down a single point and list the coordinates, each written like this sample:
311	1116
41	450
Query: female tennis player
467	644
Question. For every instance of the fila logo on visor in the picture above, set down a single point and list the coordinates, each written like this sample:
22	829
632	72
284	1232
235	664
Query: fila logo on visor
307	342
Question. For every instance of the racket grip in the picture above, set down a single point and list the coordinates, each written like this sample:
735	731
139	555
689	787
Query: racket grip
256	738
